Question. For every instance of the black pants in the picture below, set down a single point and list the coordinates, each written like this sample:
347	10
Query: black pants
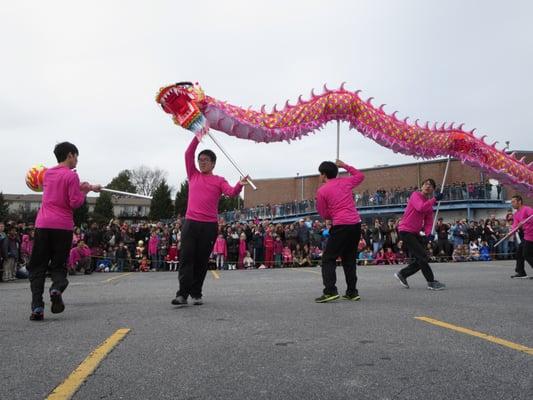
197	241
342	241
443	245
50	251
524	253
415	246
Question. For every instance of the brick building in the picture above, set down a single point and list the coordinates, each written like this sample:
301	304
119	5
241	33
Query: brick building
283	190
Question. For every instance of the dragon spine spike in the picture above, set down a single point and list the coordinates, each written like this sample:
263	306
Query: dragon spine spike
263	108
313	93
195	111
369	101
342	86
416	123
326	90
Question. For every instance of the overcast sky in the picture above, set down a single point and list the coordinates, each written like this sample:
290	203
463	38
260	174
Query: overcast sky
88	72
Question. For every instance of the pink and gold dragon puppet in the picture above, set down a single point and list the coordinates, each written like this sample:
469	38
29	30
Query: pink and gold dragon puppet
195	111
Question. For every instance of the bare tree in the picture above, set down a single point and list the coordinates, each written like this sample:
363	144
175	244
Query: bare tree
146	179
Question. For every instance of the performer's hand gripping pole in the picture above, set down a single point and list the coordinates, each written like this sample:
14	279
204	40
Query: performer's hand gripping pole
442	191
231	160
513	231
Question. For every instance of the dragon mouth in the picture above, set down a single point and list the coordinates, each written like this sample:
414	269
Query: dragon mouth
167	94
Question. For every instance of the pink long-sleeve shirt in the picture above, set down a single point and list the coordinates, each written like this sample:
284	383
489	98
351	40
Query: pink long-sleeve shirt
335	201
418	215
153	244
220	247
77	253
521	215
61	195
204	190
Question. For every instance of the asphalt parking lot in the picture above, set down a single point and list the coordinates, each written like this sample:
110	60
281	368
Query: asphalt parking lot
259	335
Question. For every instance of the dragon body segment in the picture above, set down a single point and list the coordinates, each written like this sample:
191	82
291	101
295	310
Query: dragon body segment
306	116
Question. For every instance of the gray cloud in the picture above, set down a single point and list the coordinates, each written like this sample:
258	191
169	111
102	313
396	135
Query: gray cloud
89	73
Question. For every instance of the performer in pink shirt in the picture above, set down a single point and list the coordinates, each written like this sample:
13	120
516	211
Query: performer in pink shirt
418	216
524	252
54	225
335	202
201	221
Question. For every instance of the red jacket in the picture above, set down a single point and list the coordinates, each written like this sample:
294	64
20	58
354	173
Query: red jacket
172	253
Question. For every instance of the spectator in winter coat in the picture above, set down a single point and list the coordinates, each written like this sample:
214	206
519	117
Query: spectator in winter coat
287	256
278	252
220	251
153	250
26	247
269	250
172	257
242	250
80	258
12	254
390	257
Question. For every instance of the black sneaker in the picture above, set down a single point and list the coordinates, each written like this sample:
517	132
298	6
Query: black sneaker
37	314
326	298
402	280
520	276
57	301
436	285
197	301
351	297
179	300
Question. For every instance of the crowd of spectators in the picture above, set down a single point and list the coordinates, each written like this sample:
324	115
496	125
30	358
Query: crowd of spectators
119	246
458	191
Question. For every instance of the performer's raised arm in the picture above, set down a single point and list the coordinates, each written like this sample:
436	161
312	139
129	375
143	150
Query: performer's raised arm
356	176
190	165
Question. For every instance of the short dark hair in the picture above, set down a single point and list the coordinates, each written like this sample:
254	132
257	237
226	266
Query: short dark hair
62	150
209	153
518	197
329	169
431	182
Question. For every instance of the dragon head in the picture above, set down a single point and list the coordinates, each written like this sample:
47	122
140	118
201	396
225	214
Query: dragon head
183	101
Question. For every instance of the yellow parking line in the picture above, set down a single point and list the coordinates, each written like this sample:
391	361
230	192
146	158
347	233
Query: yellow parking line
215	274
118	276
480	335
69	387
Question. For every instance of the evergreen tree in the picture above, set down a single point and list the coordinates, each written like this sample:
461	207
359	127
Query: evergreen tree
161	204
122	182
4	208
229	203
81	214
103	209
180	202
